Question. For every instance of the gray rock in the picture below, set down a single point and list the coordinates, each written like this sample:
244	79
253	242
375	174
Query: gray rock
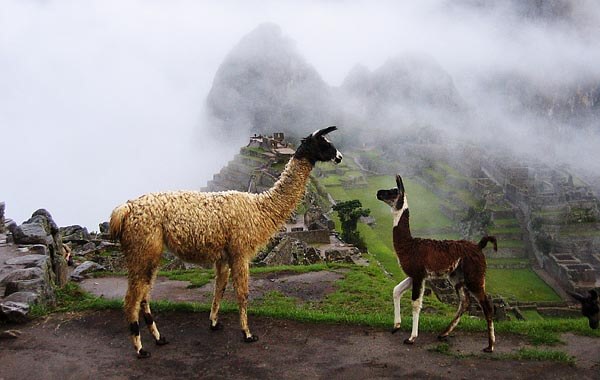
28	260
38	249
74	234
349	255
14	311
29	298
35	280
32	233
23	275
104	227
85	268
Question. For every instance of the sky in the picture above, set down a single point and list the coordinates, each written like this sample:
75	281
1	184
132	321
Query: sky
102	101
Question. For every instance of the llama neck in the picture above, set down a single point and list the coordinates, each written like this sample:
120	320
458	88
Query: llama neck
281	200
401	231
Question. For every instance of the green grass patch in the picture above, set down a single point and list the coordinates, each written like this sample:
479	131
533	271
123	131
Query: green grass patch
519	284
534	354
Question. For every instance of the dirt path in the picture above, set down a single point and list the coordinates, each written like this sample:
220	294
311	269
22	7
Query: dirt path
95	345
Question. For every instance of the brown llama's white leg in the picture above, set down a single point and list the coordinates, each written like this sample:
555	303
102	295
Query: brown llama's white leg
417	303
221	278
488	311
240	277
463	305
398	291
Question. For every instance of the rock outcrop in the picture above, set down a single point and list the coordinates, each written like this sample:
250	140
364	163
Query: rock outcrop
31	271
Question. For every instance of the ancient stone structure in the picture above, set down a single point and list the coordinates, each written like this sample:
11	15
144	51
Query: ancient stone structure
32	268
561	216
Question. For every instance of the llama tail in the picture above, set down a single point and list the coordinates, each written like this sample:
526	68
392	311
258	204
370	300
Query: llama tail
483	242
116	220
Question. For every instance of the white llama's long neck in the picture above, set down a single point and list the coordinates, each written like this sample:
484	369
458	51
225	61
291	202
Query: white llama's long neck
281	200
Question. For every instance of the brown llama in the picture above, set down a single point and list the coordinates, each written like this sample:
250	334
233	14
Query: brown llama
462	262
590	307
224	228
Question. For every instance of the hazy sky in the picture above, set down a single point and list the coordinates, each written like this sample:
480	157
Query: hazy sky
102	101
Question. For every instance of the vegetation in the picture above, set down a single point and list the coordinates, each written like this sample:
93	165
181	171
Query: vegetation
349	212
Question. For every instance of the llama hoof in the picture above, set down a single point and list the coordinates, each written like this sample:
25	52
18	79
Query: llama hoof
143	354
216	327
489	350
443	338
162	341
395	330
250	339
408	341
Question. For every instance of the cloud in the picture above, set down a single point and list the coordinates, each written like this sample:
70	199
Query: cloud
101	101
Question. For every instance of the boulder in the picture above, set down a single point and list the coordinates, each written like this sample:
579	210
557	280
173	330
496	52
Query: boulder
14	311
75	233
28	261
29	298
35	280
41	229
85	268
32	233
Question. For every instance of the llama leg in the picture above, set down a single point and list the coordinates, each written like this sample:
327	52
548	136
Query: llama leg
463	305
221	278
159	339
488	311
240	274
417	303
398	290
133	299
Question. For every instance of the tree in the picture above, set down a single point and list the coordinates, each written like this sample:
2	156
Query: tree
349	213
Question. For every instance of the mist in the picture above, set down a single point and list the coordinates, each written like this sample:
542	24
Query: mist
102	101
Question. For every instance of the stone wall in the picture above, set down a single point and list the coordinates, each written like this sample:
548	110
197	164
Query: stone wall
311	237
32	268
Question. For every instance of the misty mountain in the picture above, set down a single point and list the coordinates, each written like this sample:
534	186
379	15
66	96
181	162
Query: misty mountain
573	104
407	89
264	85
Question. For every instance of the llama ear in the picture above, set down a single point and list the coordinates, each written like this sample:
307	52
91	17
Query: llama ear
324	131
593	295
399	183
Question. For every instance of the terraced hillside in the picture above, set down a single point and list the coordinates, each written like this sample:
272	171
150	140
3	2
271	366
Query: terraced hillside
444	205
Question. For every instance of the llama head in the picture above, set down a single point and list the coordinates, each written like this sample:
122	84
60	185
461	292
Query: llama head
395	198
590	307
316	147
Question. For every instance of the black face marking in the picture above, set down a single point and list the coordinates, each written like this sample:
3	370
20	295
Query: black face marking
392	197
134	328
316	147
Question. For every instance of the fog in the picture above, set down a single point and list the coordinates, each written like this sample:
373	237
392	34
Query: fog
102	101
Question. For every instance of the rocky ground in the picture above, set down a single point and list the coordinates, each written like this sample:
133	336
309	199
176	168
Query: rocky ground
95	344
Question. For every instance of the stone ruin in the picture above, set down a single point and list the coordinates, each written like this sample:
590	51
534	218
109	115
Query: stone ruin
32	265
563	219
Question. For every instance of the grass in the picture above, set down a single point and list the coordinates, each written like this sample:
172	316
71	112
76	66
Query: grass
523	354
427	216
533	354
519	284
